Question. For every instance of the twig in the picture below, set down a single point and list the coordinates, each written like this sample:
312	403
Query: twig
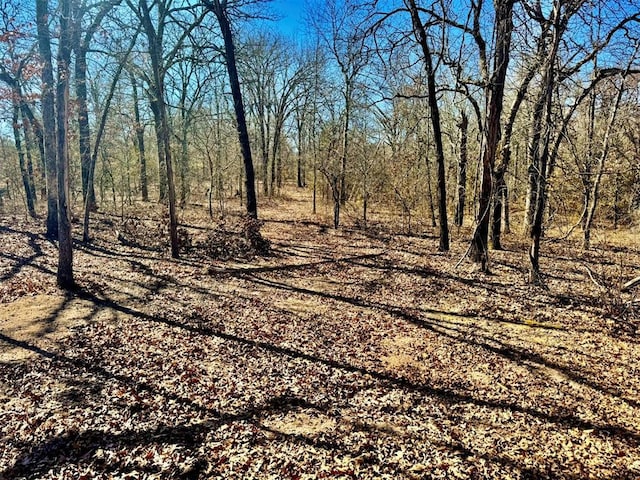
599	285
630	284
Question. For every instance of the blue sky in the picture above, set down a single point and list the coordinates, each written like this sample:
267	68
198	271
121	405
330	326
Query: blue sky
292	13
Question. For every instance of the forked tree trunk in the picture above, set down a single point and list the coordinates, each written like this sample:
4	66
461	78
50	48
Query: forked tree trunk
495	96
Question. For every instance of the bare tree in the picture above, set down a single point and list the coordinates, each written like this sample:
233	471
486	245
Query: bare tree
434	109
602	158
340	27
494	95
48	115
65	241
220	9
154	25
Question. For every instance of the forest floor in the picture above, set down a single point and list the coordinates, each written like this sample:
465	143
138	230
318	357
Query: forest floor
342	354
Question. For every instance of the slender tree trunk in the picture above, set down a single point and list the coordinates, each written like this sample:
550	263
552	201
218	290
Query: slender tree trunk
606	142
219	9
335	192
162	125
264	152
300	173
421	37
184	163
539	154
65	241
507	208
533	172
587	184
28	140
84	131
99	135
499	203
462	170
139	127
345	143
32	125
48	117
24	173
502	191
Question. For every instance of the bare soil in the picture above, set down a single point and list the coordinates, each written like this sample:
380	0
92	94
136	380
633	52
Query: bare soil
343	354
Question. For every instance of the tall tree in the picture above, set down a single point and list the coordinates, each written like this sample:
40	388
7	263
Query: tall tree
591	206
562	61
65	241
48	115
81	42
494	94
341	29
220	9
434	109
154	18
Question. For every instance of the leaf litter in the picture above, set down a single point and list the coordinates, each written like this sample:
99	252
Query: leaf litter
340	354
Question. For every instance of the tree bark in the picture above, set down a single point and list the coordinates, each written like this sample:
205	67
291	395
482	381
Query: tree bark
421	37
219	10
462	170
65	241
48	117
501	190
495	95
139	141
162	125
27	181
84	131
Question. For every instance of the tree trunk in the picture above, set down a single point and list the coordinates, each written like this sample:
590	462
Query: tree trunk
502	191
300	171
139	127
421	37
539	153
184	162
533	171
162	124
345	143
84	131
462	170
48	117
65	241
499	198
99	134
219	9
495	95
595	192
24	173
28	151
32	124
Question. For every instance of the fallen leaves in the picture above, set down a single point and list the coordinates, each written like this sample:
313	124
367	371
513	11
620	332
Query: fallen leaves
339	356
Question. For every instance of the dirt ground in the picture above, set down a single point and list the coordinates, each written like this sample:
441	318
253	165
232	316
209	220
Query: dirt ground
342	354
